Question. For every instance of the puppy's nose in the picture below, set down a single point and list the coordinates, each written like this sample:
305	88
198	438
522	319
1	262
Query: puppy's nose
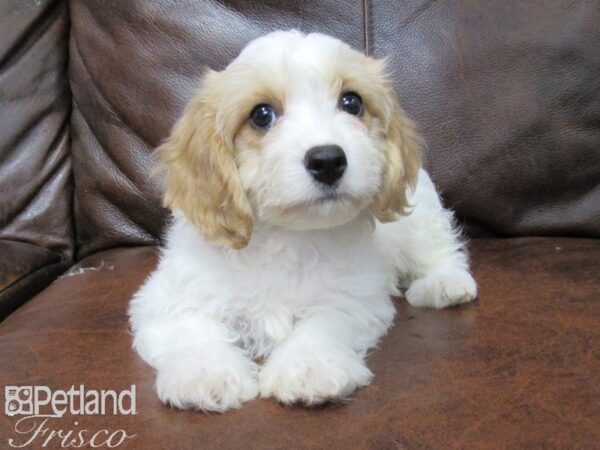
326	163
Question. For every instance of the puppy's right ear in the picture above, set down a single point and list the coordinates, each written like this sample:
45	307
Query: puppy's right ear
202	177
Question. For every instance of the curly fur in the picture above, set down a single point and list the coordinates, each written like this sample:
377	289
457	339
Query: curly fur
269	284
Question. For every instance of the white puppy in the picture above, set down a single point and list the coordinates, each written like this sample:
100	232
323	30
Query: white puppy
299	207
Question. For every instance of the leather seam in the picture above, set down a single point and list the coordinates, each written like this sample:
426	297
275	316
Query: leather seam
366	13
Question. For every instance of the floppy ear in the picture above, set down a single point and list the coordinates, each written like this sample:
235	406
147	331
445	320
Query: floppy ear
202	177
402	160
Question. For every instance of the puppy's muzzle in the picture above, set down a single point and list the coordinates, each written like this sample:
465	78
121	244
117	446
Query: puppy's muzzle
326	163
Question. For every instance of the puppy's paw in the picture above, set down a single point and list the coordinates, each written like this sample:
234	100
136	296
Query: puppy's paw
313	377
207	384
442	287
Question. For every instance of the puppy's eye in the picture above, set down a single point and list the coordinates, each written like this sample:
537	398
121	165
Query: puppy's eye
351	103
263	116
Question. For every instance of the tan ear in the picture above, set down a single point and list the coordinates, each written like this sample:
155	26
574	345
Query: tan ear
202	177
402	160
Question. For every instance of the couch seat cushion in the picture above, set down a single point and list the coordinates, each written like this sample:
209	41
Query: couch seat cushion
517	368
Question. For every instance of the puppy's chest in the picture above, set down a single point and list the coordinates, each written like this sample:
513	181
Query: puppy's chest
270	295
296	278
274	287
286	280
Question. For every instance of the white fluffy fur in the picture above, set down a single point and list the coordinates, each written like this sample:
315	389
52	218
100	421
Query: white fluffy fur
308	302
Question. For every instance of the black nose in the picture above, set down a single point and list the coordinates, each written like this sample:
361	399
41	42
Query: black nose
326	163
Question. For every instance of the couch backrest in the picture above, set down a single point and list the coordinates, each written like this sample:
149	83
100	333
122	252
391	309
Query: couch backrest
35	104
506	93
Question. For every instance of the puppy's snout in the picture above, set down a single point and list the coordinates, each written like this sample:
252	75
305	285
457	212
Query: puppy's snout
326	163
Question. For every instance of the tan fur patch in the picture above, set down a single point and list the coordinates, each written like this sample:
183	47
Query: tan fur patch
203	182
401	141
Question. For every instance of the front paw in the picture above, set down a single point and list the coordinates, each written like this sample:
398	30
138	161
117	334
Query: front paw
312	377
207	384
442	287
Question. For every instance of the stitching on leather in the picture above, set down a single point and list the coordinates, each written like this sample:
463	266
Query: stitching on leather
366	7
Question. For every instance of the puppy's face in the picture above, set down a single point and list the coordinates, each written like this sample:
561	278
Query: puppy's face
300	131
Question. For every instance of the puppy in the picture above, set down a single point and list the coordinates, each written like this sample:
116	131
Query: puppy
299	208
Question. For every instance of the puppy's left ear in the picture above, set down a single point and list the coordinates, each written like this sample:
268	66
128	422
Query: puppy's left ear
402	160
202	176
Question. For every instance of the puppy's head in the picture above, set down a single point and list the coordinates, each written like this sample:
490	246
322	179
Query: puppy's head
299	131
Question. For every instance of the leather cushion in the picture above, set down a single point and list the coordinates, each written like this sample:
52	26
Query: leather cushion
507	94
517	369
35	166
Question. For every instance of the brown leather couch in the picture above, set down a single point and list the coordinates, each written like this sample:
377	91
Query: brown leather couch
507	94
